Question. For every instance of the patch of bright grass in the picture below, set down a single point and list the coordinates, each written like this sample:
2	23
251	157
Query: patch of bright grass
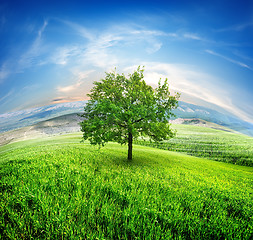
59	188
209	143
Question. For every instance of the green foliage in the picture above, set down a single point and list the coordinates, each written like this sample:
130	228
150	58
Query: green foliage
58	188
121	109
209	143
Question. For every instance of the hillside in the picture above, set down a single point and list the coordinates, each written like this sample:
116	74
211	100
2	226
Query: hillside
195	137
70	123
213	142
223	118
57	187
29	117
201	123
55	126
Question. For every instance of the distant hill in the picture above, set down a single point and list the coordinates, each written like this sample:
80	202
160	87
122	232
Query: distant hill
30	117
201	123
59	125
186	110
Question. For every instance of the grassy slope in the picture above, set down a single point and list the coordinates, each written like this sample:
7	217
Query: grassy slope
58	187
210	143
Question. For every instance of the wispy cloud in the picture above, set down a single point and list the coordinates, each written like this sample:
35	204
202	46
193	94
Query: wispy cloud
229	59
65	99
80	77
149	36
198	37
236	28
42	29
243	56
192	36
69	88
154	48
6	96
98	49
31	56
4	72
82	31
62	55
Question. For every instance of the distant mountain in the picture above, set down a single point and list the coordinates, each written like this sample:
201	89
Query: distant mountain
29	117
15	120
187	110
58	125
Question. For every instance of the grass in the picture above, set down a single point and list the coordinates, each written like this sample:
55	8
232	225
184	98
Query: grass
209	143
59	188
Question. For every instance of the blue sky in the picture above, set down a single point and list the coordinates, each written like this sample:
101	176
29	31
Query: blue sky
52	51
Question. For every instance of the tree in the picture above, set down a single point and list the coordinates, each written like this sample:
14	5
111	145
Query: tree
121	109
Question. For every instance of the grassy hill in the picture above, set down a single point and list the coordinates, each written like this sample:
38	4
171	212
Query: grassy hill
59	188
214	142
194	136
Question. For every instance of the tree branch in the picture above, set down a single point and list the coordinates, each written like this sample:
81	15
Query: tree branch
139	120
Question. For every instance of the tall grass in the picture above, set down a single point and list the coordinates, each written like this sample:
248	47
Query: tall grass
58	188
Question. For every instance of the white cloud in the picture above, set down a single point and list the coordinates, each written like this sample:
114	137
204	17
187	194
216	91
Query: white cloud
42	29
192	36
30	57
229	59
148	36
196	37
4	72
82	31
99	49
62	54
6	96
79	76
236	28
154	48
147	32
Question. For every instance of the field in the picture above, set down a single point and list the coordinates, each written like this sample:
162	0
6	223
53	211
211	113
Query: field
209	143
59	188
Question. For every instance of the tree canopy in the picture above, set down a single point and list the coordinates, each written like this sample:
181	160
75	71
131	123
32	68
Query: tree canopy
123	108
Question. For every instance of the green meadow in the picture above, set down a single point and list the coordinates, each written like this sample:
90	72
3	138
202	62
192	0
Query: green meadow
209	143
59	188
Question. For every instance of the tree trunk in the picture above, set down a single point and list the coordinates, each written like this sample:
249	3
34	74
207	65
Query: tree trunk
130	146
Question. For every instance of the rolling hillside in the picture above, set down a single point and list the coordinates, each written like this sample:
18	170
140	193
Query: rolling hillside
55	126
59	188
214	142
29	117
70	123
194	137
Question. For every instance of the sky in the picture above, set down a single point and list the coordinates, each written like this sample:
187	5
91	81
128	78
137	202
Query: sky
52	51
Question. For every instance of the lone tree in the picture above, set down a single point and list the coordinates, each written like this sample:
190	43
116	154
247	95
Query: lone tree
121	109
